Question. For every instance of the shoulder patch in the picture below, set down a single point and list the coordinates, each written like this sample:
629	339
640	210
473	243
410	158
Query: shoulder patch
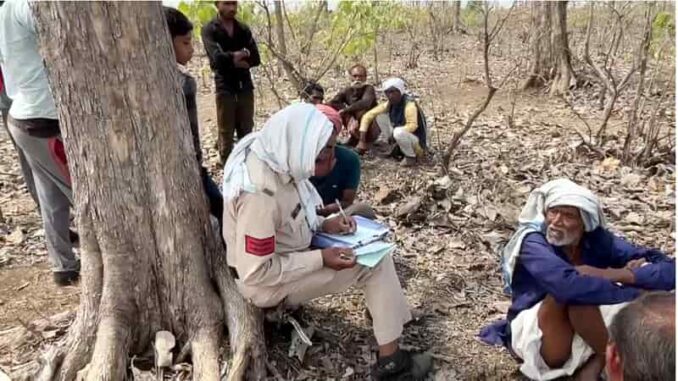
259	246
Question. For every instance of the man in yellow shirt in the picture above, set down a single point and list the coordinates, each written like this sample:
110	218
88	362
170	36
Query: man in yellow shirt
402	120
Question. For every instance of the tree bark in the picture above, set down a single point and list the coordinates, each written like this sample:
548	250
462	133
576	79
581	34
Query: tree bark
147	238
456	16
542	58
564	72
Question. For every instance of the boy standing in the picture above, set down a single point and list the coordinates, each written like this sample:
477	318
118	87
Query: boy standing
181	30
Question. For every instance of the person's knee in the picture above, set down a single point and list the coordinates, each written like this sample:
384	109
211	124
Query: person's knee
399	133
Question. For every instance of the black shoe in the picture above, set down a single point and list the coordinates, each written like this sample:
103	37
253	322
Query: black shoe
402	366
66	278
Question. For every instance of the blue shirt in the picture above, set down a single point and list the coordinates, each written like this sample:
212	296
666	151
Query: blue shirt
22	66
543	269
344	175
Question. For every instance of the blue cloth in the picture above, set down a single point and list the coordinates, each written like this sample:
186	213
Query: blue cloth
543	269
24	72
344	175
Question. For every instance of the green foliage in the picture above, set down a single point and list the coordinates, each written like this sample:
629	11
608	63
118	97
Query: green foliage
471	14
663	26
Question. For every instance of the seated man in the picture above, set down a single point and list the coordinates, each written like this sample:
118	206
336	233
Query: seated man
642	342
312	93
269	221
342	182
353	102
569	276
405	122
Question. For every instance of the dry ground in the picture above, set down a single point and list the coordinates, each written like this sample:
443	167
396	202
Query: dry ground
447	257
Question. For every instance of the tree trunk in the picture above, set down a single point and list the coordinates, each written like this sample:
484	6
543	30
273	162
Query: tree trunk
542	58
146	235
564	72
297	82
456	16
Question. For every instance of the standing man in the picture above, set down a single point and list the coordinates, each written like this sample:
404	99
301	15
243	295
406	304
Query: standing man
232	52
5	104
33	124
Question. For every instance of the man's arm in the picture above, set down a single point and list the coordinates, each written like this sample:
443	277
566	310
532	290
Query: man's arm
368	99
369	116
218	58
562	281
254	59
339	101
658	274
258	262
411	120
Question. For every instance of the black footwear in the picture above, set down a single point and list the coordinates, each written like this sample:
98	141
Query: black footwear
402	366
66	278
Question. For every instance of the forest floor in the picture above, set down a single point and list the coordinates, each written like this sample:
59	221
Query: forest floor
447	255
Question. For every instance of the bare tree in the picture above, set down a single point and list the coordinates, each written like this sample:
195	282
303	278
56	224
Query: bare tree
488	36
550	48
564	73
604	74
456	16
542	55
151	260
641	59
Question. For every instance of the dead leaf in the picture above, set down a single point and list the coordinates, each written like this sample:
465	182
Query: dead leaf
16	238
410	207
385	195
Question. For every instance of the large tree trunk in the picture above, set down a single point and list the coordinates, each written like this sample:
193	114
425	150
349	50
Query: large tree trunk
146	235
564	72
542	57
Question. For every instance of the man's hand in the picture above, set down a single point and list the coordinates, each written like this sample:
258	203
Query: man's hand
361	148
239	55
338	258
635	263
339	225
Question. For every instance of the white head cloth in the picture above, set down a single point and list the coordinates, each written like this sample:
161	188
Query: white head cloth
289	143
394	83
561	192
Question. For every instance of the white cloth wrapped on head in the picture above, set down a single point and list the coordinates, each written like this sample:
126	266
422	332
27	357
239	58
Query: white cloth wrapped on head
289	143
560	192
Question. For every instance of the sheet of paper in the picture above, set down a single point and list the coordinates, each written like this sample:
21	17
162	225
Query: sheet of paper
367	231
373	258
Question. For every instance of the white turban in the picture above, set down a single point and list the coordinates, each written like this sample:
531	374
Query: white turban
561	192
289	143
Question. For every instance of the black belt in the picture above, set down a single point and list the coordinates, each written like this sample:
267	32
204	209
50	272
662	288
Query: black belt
234	272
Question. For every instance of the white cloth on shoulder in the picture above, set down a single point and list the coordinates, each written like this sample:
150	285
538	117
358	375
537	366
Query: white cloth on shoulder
560	192
289	143
526	343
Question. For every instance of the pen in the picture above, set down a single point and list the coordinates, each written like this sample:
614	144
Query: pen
341	210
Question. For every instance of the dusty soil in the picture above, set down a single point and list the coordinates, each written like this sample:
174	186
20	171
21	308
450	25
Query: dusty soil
447	257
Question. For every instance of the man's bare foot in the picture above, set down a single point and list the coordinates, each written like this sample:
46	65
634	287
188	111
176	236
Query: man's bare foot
591	370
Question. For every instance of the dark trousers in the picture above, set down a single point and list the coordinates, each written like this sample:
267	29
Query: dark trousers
214	197
235	113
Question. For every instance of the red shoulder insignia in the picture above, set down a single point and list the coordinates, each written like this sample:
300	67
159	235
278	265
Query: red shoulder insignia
259	246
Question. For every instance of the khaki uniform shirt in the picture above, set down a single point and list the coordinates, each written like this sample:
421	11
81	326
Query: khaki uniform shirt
266	232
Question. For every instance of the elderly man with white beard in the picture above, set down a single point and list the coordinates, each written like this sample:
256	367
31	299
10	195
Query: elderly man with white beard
568	276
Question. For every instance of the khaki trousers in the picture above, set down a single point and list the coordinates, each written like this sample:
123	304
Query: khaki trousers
235	113
383	294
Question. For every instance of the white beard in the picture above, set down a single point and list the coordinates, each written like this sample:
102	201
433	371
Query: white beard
560	238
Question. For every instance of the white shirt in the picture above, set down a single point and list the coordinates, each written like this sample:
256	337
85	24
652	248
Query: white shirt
23	70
